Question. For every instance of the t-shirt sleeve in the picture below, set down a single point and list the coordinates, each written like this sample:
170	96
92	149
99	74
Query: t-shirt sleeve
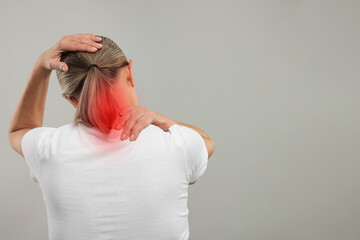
32	145
195	151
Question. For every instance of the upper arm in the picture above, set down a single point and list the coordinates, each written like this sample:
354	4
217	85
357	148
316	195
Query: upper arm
30	144
210	146
196	153
15	140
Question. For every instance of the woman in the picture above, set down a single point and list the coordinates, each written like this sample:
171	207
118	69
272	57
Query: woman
97	183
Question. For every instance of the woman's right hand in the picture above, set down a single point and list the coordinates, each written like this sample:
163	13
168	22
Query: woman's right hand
50	59
135	119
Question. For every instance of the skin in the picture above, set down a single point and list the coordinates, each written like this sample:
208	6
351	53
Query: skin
29	112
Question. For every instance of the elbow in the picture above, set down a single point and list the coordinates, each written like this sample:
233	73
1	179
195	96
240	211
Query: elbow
210	147
213	148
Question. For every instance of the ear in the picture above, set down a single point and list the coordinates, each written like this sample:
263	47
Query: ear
131	76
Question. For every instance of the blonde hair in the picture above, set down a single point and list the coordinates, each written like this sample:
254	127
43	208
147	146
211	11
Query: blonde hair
97	104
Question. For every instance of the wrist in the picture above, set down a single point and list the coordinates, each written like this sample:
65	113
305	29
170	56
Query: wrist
41	63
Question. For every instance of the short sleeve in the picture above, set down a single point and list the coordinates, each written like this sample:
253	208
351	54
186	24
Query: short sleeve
195	151
32	145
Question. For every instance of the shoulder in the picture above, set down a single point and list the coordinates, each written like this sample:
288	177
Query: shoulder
37	141
153	130
184	133
155	135
38	134
186	136
30	140
44	134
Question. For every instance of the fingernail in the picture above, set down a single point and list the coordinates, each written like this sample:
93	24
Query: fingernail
132	137
94	48
98	38
99	45
123	135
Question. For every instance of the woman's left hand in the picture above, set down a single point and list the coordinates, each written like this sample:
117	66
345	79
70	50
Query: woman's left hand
50	59
135	118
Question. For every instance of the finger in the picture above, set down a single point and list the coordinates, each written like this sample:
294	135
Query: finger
124	114
94	37
146	119
129	125
125	110
57	65
140	124
123	120
78	42
164	126
90	42
70	45
89	38
64	67
81	46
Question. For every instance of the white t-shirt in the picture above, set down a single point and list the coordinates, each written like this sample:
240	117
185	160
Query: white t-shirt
100	187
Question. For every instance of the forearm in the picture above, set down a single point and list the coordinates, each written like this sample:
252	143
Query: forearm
29	112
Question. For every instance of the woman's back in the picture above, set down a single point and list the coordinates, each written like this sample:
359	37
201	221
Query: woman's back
100	187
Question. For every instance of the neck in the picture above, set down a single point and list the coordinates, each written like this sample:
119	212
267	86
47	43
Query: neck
124	101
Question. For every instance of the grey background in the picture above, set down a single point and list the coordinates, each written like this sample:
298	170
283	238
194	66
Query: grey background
274	83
